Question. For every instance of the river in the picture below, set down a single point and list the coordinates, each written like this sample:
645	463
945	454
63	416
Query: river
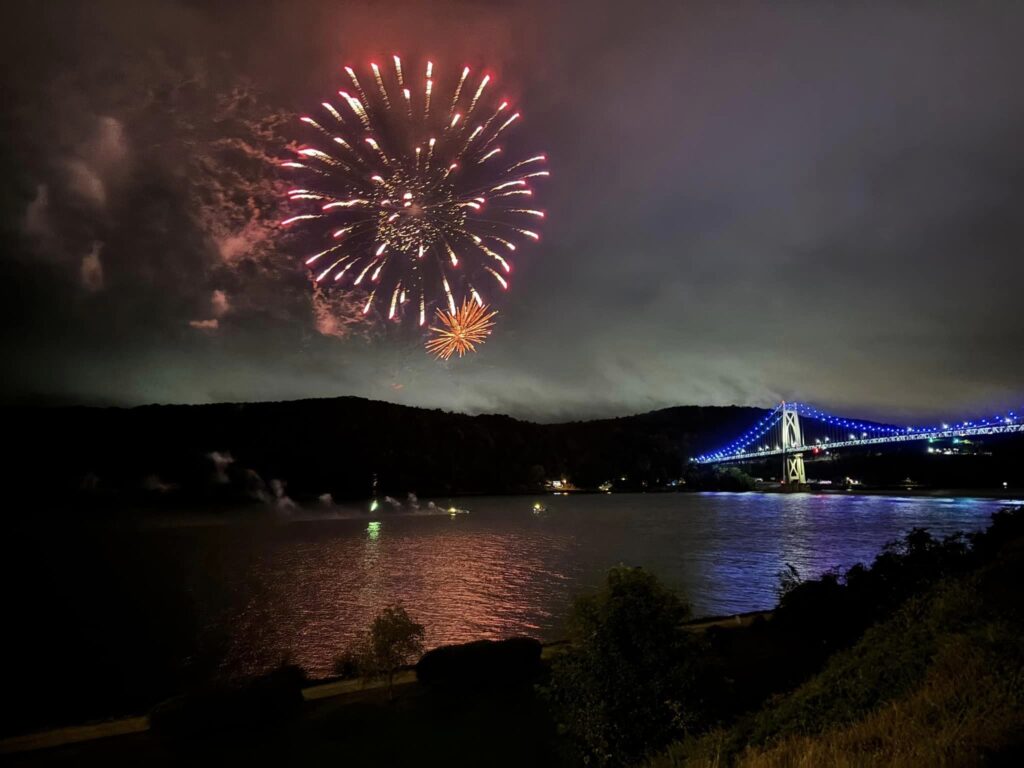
229	595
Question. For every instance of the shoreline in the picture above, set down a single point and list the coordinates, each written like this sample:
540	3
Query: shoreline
1010	495
315	689
354	508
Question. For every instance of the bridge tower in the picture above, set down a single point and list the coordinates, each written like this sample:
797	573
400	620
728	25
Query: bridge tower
792	463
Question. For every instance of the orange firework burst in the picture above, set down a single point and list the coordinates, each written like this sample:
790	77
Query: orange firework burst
462	330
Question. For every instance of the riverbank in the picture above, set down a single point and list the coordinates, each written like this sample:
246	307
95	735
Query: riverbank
1010	496
349	690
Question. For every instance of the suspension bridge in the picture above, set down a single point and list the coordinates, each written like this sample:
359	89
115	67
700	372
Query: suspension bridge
791	430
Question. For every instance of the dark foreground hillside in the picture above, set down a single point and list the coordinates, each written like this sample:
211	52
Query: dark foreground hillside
939	681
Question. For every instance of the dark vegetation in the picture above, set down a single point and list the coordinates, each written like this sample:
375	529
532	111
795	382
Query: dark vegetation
165	455
627	681
393	641
482	663
929	666
719	478
502	724
917	659
337	446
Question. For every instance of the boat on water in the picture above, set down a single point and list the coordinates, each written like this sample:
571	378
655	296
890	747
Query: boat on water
374	501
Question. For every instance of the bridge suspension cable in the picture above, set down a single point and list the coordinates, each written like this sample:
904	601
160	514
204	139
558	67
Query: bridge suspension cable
816	429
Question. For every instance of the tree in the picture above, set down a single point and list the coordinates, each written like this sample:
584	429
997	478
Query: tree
394	640
624	687
789	579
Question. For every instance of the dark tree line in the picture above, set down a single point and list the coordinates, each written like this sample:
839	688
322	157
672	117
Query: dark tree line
234	451
339	445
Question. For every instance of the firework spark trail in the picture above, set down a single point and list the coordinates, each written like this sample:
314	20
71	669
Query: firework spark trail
487	123
504	125
380	85
448	292
458	89
521	163
461	330
355	82
317	256
333	112
479	92
418	199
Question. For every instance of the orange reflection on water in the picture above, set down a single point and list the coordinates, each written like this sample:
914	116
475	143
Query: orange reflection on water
316	598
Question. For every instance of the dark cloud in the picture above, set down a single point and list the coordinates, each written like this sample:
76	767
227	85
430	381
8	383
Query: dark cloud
749	202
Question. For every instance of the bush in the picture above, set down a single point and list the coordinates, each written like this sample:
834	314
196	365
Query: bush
348	665
624	687
483	663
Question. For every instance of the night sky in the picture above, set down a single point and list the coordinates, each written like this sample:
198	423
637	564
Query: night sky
813	201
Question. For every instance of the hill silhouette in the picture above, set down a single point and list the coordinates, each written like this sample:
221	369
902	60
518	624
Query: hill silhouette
337	446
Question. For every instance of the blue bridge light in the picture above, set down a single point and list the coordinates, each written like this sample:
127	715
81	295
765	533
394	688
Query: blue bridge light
751	444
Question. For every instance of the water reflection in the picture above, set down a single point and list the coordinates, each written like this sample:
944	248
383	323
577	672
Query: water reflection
311	599
307	589
503	570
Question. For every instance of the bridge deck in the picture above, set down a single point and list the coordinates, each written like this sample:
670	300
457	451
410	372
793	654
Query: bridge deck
1000	429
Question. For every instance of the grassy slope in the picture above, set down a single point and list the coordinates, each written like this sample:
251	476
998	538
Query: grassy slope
939	683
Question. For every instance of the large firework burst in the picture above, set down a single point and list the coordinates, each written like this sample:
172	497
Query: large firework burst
411	193
463	330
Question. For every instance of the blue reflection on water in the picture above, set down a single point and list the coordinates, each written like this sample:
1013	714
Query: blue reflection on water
308	588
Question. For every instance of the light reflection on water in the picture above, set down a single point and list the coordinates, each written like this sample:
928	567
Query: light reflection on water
240	596
308	589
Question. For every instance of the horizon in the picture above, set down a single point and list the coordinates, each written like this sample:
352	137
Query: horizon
623	414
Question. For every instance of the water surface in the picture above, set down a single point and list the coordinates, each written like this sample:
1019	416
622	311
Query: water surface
226	597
